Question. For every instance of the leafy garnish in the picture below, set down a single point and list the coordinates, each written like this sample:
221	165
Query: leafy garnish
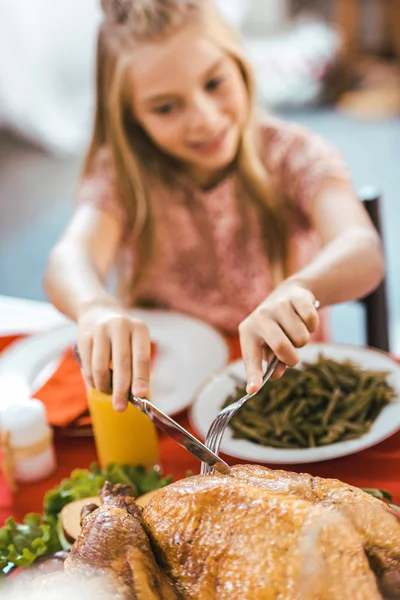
81	484
142	480
38	535
22	544
380	494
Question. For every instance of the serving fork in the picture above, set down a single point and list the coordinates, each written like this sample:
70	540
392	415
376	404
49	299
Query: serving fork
220	423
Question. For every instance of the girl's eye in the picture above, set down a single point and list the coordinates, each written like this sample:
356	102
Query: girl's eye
213	84
164	109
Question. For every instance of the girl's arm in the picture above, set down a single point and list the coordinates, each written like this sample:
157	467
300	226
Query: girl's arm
75	282
351	263
79	263
349	266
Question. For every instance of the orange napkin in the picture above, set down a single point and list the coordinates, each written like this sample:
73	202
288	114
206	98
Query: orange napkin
64	394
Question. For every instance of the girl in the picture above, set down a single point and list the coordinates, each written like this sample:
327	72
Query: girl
206	207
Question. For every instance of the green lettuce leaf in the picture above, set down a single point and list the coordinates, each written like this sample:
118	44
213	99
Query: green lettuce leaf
81	484
22	544
381	494
141	479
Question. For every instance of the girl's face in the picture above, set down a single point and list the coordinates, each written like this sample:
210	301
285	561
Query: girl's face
191	99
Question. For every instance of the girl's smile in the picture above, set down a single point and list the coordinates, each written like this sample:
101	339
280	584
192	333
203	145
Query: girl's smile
212	145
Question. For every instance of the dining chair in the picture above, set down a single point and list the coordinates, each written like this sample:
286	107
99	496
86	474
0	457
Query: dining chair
376	303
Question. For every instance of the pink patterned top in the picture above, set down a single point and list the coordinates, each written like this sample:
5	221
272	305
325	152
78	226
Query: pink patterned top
213	264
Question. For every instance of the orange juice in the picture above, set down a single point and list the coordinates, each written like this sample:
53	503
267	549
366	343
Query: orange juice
127	438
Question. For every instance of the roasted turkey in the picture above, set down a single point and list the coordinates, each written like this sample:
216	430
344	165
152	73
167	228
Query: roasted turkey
255	534
112	541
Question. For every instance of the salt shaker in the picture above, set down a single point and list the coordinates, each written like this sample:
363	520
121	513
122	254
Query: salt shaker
27	441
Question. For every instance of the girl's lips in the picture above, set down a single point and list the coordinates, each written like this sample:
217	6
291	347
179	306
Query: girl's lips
210	147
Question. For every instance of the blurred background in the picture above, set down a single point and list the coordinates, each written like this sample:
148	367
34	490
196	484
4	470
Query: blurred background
332	65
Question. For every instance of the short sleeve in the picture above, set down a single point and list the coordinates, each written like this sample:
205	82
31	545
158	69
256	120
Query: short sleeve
299	161
98	187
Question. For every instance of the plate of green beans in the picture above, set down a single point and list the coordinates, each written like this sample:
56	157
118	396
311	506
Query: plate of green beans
340	399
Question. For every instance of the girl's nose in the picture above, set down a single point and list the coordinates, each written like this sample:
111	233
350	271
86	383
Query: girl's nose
204	115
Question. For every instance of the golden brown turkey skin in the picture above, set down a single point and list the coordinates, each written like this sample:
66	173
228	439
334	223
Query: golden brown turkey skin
377	526
258	534
219	537
113	542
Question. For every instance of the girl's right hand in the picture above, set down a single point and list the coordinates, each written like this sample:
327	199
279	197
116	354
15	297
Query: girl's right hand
109	333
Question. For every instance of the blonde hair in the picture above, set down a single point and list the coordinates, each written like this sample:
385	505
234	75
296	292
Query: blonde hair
136	160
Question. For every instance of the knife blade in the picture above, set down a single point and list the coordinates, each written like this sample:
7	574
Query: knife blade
180	434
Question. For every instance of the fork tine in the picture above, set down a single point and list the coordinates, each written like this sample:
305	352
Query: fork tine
216	438
212	432
220	423
211	439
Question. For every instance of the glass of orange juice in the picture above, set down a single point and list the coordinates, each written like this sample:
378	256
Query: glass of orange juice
127	438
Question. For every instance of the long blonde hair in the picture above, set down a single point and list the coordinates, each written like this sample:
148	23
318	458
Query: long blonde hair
136	160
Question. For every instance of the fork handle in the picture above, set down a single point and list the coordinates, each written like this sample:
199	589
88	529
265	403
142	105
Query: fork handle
270	369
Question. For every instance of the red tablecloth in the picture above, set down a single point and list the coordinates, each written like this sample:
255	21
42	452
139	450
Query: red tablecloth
377	467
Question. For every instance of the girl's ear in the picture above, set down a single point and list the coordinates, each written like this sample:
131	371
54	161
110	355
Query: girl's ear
116	11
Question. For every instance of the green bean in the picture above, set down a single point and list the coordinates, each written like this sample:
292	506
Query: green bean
356	427
331	406
299	408
323	403
296	435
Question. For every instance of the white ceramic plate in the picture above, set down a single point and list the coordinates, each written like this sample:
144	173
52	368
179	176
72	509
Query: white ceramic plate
189	351
213	394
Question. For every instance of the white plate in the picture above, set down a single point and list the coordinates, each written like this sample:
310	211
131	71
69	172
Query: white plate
189	351
212	396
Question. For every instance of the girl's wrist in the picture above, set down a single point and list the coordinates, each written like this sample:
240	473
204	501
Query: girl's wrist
300	281
107	301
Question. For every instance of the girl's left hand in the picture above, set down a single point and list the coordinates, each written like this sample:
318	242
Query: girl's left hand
282	323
